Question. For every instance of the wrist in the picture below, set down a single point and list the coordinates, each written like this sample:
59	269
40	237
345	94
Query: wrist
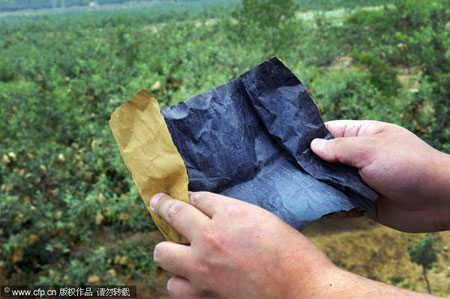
345	285
335	283
322	283
307	275
442	177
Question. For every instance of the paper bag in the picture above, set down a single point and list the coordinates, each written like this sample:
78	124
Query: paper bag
150	154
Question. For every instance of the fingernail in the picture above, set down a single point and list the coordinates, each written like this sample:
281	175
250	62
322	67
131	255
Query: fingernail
318	143
154	200
170	283
155	253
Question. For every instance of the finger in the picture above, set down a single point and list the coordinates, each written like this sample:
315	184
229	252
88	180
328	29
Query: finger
376	212
209	203
353	128
353	151
353	213
179	287
174	258
203	202
206	202
372	215
183	217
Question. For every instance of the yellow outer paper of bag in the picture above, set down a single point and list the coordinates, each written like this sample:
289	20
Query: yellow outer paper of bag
150	155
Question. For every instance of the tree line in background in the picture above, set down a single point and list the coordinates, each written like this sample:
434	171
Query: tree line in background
12	5
303	5
69	211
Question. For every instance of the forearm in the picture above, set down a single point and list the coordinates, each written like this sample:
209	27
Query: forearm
346	285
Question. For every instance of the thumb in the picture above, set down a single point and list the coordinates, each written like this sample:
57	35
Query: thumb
347	150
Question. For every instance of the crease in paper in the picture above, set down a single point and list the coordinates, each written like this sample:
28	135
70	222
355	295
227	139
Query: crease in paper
150	155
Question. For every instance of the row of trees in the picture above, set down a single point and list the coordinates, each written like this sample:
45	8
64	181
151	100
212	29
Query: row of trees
69	210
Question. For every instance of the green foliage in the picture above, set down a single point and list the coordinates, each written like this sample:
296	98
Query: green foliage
265	14
306	5
414	34
37	4
13	5
62	178
346	95
380	73
269	23
69	210
424	252
321	45
395	280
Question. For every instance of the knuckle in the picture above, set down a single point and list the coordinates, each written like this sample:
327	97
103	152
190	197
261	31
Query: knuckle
195	198
159	206
337	142
174	209
198	197
233	210
211	240
370	144
205	194
204	277
333	149
363	157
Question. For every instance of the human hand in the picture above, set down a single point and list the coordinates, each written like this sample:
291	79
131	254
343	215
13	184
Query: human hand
412	178
237	250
